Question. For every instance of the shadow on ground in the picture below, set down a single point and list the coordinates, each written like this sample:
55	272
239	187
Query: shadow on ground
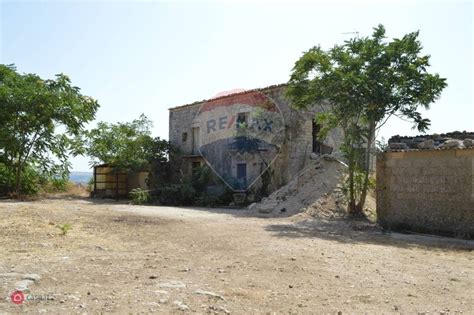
347	230
340	229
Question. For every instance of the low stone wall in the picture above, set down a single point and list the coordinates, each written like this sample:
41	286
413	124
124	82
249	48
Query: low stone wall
427	191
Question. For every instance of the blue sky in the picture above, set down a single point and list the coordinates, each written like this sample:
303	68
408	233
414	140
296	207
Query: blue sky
145	57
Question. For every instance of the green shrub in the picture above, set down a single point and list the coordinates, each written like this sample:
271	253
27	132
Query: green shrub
139	196
192	190
90	184
205	200
169	195
30	184
65	228
55	185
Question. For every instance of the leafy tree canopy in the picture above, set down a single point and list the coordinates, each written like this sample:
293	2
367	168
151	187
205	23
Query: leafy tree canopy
365	81
39	120
126	144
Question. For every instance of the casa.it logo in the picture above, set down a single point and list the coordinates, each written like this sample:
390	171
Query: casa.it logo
17	297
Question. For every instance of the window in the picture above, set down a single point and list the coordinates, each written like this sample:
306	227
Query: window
242	171
242	120
318	146
195	140
184	136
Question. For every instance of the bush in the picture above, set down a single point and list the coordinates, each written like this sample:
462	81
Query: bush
55	185
65	228
169	195
31	181
139	196
90	184
192	190
207	201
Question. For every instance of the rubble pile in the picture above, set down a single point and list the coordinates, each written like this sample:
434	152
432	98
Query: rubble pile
315	186
453	140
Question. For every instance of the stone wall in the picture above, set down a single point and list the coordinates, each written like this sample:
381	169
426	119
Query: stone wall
427	191
295	150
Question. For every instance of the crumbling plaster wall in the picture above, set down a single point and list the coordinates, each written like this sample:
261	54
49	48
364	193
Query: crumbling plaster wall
297	146
428	191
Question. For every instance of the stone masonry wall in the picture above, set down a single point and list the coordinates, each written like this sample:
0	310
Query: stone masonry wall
298	135
427	191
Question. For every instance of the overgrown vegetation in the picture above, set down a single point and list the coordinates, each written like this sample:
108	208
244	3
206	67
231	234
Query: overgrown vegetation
139	196
40	121
33	182
194	190
365	82
123	144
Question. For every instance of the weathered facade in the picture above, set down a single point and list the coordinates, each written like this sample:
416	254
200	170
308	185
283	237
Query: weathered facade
298	135
427	190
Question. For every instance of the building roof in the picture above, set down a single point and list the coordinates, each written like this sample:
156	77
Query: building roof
271	87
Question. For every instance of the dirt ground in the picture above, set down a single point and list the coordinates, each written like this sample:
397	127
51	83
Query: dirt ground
142	259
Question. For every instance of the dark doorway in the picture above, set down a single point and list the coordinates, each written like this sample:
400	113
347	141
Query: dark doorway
317	145
242	174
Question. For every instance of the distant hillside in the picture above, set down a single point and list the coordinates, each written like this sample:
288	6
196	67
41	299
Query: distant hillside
80	177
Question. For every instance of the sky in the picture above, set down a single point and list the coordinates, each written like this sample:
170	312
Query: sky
145	57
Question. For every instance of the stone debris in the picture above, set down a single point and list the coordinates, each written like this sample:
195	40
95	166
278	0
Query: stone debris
452	143
23	285
318	179
181	306
218	309
32	276
26	280
172	284
468	143
209	293
427	144
452	140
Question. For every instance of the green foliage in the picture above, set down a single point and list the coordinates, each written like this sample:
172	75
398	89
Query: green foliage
65	228
30	184
39	122
361	84
192	190
359	180
56	184
60	184
90	184
139	196
33	181
124	145
159	154
381	145
205	200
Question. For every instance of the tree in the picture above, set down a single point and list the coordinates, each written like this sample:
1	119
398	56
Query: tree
39	120
365	81
123	145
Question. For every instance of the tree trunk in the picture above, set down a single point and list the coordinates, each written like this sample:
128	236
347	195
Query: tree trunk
365	187
351	207
18	179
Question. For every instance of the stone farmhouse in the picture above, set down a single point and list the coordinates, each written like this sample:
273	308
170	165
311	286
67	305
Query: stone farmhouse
244	135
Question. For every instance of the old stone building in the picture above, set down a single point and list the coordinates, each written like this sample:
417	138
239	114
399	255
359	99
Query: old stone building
241	134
